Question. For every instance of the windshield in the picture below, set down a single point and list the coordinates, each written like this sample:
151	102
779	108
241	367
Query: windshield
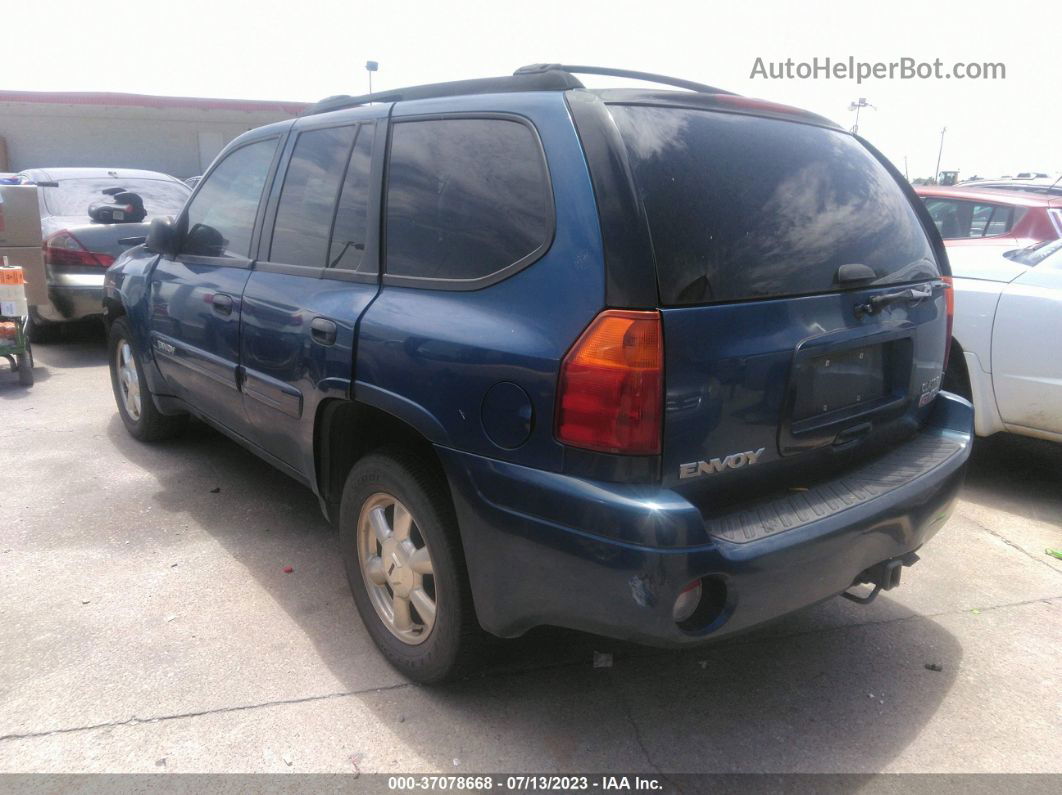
73	196
744	207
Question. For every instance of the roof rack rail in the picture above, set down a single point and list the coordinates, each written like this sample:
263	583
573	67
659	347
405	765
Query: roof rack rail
536	77
678	82
543	80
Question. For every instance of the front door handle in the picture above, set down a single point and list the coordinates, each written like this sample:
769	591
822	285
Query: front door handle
323	330
222	303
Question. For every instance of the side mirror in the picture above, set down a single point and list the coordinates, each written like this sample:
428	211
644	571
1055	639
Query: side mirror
162	238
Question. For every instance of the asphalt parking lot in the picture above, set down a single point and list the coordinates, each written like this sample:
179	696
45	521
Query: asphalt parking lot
147	624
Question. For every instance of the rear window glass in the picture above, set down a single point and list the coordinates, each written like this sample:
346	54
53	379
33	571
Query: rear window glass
743	207
73	196
466	198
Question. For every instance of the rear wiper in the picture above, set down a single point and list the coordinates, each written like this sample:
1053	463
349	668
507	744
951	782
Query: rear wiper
878	302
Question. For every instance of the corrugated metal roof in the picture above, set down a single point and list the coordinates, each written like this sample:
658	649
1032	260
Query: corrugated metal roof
149	101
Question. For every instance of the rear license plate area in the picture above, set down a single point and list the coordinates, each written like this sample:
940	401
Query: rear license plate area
840	380
835	386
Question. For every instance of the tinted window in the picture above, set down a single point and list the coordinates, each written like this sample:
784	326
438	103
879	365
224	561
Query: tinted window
221	216
348	237
999	223
308	198
465	198
959	219
745	207
73	196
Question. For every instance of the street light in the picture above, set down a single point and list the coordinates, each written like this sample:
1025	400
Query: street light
370	67
857	106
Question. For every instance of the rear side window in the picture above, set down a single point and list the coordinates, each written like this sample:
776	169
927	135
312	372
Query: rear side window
220	218
348	239
467	199
957	219
308	198
743	207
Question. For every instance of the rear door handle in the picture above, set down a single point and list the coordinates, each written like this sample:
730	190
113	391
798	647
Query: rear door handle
222	303
323	330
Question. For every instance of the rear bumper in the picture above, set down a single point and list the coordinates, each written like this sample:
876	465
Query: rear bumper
544	548
72	297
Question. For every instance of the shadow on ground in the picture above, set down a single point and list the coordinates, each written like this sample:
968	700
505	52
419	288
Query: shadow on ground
806	693
81	344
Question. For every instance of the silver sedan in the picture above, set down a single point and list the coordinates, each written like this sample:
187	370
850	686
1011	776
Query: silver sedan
78	249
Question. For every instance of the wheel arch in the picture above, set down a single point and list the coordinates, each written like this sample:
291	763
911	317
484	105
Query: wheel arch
347	430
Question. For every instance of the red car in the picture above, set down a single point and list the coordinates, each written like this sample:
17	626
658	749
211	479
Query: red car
993	217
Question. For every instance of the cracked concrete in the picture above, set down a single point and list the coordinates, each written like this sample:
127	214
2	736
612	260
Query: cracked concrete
146	624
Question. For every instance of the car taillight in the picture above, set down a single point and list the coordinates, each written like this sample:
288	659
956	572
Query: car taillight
610	395
63	248
949	304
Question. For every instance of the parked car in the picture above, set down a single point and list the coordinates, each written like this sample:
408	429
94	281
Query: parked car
659	365
966	216
1008	318
78	248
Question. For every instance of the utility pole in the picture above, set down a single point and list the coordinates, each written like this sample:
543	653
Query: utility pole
905	174
857	106
370	67
936	175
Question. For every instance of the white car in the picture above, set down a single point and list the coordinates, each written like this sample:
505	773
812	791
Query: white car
1007	351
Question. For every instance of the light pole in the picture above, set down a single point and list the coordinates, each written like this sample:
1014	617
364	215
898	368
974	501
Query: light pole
370	67
936	175
858	105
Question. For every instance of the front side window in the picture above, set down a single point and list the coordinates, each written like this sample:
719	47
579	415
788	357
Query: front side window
220	218
466	199
308	198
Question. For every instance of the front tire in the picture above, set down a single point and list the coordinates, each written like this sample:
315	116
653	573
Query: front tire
403	558
132	393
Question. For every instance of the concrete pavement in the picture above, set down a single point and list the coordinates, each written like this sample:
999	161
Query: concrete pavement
146	624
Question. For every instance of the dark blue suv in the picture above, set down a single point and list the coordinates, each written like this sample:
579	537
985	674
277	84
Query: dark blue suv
659	365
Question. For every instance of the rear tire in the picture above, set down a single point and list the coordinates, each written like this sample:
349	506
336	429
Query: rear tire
132	393
388	557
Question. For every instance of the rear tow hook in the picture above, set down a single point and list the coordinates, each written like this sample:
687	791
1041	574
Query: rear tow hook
883	576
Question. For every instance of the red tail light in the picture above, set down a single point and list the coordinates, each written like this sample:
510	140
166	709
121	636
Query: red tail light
63	248
949	304
612	383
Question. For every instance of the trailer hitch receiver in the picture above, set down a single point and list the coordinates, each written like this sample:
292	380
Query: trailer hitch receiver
883	576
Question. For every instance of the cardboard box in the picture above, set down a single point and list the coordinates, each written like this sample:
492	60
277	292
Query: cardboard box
20	237
31	258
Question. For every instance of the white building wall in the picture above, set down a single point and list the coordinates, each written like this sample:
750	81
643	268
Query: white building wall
177	141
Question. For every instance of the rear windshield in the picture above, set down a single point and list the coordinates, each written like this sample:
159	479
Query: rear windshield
73	196
743	207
